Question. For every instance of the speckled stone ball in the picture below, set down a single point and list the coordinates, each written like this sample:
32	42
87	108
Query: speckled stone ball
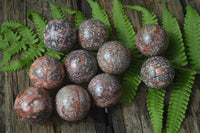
92	34
59	35
113	57
157	72
105	90
151	40
81	66
47	72
72	103
33	105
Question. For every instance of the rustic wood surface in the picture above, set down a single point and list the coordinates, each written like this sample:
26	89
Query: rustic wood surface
122	118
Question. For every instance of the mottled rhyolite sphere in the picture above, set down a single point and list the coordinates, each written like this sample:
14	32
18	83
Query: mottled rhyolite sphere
157	72
81	66
113	57
47	72
105	89
92	34
72	103
33	105
151	40
59	35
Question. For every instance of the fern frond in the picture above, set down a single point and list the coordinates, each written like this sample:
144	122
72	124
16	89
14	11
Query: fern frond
192	37
99	13
176	50
147	16
4	44
56	11
57	55
14	49
124	28
155	106
28	35
179	99
10	35
131	81
39	21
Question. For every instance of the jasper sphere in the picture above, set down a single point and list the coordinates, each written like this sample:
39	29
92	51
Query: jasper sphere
81	66
157	72
33	105
105	90
92	34
72	103
113	57
151	40
47	72
59	35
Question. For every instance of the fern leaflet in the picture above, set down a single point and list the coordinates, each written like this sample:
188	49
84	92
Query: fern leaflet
56	11
147	16
179	99
4	44
192	37
126	33
155	105
54	54
10	35
99	13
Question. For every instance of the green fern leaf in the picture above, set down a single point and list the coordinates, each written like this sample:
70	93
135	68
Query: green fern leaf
56	11
14	49
130	82
10	35
155	105
179	99
4	44
99	13
124	28
192	37
39	22
176	50
147	16
54	54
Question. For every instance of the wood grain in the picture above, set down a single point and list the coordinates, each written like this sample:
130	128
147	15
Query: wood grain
122	118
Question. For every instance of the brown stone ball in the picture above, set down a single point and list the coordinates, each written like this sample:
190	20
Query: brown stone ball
105	90
72	103
33	105
157	72
47	72
152	40
113	57
92	34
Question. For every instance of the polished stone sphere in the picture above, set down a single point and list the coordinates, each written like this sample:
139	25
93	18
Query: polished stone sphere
33	105
47	72
151	40
92	34
81	66
157	72
105	90
72	103
113	57
59	35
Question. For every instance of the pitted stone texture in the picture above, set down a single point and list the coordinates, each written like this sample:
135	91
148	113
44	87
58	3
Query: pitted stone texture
34	105
81	66
47	72
157	72
92	34
59	35
105	89
113	57
152	40
72	103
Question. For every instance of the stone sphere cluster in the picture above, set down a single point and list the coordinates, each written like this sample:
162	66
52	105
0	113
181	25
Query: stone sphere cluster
72	101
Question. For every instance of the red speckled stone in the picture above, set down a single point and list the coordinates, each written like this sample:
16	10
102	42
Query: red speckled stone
81	66
92	34
157	72
33	105
152	40
59	35
72	103
105	90
113	57
47	72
